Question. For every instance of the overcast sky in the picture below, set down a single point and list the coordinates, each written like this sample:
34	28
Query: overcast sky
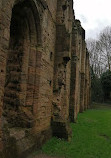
93	14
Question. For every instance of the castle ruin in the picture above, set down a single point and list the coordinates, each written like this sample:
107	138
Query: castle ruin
44	72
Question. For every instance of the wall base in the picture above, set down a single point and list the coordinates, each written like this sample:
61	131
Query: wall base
16	147
61	130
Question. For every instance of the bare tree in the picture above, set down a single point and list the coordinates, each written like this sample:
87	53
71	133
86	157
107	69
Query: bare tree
100	52
104	47
95	58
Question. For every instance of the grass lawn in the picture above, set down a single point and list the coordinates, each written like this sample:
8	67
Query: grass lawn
91	136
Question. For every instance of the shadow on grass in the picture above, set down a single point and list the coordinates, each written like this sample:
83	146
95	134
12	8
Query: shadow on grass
100	106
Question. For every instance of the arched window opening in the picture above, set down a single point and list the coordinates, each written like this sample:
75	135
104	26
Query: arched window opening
21	61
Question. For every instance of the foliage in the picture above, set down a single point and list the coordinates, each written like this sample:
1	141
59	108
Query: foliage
97	94
106	83
91	137
100	61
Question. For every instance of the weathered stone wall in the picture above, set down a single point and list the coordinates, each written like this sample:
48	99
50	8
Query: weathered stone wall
62	72
80	73
44	72
27	62
75	73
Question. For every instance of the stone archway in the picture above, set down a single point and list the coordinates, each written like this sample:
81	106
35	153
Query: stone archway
22	65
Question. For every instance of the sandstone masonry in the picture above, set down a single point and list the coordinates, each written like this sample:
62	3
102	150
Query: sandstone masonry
44	73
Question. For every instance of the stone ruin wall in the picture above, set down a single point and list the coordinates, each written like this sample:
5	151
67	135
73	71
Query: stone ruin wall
44	73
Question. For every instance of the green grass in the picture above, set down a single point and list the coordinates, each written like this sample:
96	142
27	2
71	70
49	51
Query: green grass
91	137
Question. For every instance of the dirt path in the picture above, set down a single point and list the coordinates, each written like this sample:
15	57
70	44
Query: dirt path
43	156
